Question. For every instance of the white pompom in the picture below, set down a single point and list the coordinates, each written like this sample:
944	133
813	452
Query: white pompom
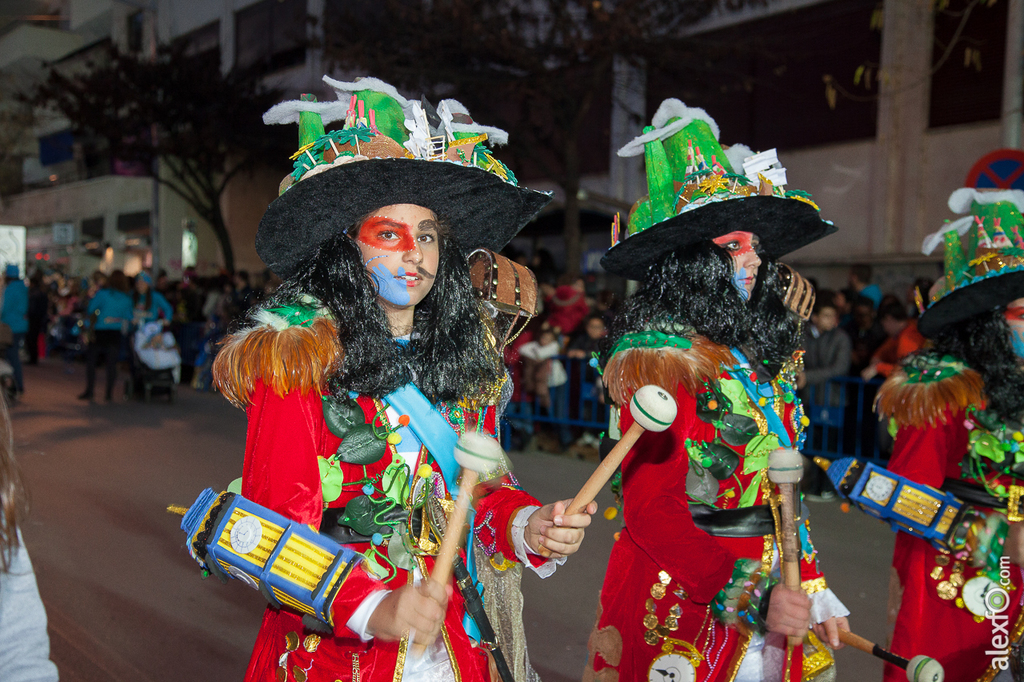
785	465
653	408
924	669
478	452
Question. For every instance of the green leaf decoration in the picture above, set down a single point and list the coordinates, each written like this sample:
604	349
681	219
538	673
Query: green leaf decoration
342	415
758	449
331	479
235	486
738	429
986	445
749	495
394	480
370	563
893	427
737	395
361	446
360	514
720	460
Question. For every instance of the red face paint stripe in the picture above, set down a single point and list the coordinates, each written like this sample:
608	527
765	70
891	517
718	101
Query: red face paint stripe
373	231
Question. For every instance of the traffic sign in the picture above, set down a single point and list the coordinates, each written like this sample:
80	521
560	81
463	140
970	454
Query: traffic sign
1001	169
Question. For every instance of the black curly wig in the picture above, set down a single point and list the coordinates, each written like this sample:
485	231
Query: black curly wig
450	355
692	287
984	343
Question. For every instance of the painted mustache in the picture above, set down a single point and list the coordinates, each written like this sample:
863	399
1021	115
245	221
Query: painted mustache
422	272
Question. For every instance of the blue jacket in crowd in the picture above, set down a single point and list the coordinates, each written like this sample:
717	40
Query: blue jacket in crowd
14	311
115	309
158	306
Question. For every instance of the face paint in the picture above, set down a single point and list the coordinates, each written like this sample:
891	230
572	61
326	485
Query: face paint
739	280
1015	318
386	234
389	287
737	243
742	248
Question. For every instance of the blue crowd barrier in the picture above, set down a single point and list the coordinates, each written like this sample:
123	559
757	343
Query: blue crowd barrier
843	421
576	403
189	336
841	414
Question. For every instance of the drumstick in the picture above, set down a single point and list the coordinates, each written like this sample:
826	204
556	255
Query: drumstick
785	467
653	409
476	454
919	668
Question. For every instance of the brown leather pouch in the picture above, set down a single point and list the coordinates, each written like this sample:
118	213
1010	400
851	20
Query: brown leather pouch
799	293
507	288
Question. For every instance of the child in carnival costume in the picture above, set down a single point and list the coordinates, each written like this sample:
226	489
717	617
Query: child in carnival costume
689	579
375	354
957	409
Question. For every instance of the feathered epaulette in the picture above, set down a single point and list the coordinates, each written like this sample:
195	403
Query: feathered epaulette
926	389
291	348
665	362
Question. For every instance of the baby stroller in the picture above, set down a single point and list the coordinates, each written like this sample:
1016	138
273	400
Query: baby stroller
155	362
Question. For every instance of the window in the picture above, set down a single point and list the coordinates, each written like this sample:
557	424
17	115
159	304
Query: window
968	86
271	33
762	80
133	222
92	228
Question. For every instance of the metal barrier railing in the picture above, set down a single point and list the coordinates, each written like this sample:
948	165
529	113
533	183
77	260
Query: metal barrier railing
843	420
576	403
841	413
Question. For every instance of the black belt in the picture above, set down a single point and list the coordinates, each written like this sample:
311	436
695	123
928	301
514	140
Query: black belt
747	522
974	494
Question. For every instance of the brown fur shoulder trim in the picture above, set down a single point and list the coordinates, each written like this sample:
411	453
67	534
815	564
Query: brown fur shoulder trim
666	367
921	403
295	358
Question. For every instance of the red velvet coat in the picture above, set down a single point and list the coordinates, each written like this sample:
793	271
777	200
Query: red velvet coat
285	435
660	540
926	624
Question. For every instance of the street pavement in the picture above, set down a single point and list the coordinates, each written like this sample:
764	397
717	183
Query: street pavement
126	602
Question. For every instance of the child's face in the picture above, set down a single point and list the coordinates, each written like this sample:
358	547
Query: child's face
547	337
595	328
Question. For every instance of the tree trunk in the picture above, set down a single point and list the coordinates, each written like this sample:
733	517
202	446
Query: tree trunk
571	230
221	231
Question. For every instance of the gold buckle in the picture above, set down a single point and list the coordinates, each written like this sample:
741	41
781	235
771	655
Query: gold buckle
1013	513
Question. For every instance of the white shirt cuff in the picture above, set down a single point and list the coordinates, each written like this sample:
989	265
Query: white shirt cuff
825	605
360	618
523	550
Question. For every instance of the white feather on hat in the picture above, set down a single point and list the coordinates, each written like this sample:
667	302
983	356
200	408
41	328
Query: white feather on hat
345	90
288	112
669	109
496	136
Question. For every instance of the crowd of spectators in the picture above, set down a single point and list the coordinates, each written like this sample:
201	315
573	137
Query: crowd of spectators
94	317
854	332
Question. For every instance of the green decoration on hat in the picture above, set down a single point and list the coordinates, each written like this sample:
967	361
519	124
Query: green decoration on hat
659	181
696	192
983	267
385	149
311	125
696	135
955	262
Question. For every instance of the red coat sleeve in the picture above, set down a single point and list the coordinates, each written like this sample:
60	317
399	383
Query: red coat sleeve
283	438
285	434
928	454
656	510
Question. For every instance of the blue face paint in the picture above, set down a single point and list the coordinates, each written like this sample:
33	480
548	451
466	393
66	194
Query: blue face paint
1018	343
389	287
737	281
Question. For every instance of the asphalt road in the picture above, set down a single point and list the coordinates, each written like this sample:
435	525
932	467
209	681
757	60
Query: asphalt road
126	602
